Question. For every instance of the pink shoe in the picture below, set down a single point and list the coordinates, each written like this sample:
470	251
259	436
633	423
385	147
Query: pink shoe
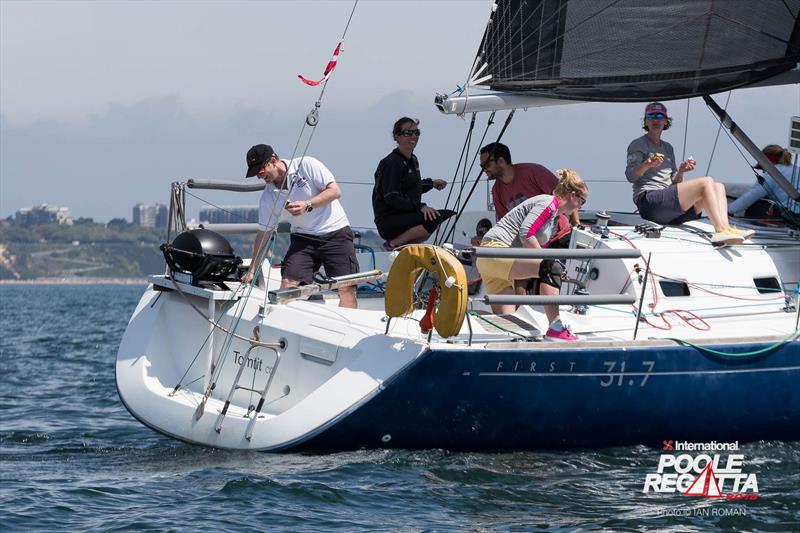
563	335
388	246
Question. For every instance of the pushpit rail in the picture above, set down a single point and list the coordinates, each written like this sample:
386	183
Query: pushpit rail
554	253
564	299
221	185
550	253
281	296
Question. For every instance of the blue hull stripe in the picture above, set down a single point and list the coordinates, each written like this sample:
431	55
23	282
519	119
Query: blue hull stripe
640	374
463	399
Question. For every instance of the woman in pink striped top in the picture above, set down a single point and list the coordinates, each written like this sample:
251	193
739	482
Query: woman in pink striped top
533	224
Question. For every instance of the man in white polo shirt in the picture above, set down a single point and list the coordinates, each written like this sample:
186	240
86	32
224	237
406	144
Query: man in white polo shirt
320	235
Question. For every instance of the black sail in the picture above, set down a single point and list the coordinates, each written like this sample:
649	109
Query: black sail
637	50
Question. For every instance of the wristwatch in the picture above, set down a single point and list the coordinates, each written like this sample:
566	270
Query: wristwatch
309	207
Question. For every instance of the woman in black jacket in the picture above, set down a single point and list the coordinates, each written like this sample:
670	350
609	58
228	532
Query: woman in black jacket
400	215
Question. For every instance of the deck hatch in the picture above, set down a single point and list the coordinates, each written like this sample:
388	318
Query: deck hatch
767	285
674	287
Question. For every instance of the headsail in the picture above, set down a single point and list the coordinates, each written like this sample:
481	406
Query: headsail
632	50
637	50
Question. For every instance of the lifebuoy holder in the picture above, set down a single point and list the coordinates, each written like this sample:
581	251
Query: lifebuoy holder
409	263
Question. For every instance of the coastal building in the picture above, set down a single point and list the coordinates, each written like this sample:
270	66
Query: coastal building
231	214
150	216
43	214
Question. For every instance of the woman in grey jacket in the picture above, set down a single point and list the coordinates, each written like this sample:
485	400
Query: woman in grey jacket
659	190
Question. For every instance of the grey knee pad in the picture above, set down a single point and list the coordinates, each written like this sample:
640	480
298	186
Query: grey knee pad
550	273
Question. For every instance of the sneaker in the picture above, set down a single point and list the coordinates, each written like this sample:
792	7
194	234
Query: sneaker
562	335
745	233
726	237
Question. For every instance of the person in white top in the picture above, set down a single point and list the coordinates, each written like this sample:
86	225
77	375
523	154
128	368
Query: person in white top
767	186
320	231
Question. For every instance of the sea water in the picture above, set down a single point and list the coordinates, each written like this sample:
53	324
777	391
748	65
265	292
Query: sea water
72	458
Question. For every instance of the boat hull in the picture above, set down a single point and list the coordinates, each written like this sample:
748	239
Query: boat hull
462	399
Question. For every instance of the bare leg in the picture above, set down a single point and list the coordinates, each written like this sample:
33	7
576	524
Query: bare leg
521	269
722	202
504	309
701	193
416	234
524	269
287	282
520	287
551	310
347	297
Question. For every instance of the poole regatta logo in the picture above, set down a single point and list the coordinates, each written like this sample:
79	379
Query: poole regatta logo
708	475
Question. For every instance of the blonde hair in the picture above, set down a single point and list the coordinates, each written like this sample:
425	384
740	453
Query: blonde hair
785	157
569	181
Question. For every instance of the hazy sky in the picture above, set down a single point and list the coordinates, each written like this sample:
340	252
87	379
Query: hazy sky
103	104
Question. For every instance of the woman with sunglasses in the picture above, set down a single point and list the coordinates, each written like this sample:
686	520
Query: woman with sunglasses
533	224
659	189
400	215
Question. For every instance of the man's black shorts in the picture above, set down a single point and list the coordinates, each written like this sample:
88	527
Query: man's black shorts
334	251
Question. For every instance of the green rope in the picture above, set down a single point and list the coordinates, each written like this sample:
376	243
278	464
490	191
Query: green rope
473	313
791	337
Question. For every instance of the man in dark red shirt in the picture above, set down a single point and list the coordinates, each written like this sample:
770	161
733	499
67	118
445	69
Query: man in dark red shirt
515	183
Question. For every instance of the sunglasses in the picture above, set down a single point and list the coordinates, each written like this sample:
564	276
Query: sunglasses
651	116
486	163
409	133
580	198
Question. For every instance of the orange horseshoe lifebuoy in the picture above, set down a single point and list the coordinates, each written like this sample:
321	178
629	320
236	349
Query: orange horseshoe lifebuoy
403	273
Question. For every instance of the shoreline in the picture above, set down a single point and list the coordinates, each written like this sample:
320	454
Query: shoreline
75	281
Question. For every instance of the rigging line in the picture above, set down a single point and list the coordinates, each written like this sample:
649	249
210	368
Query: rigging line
344	33
463	160
218	362
789	338
451	231
771	305
686	130
716	138
317	105
212	322
460	159
463	180
450	224
191	364
239	311
464	150
733	141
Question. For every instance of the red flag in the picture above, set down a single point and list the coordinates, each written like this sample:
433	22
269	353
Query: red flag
328	69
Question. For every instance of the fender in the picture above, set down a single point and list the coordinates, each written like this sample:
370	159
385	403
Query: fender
400	286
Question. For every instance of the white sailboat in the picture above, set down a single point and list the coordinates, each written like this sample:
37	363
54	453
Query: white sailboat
679	339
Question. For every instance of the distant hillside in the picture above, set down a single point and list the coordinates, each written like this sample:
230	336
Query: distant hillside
94	250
